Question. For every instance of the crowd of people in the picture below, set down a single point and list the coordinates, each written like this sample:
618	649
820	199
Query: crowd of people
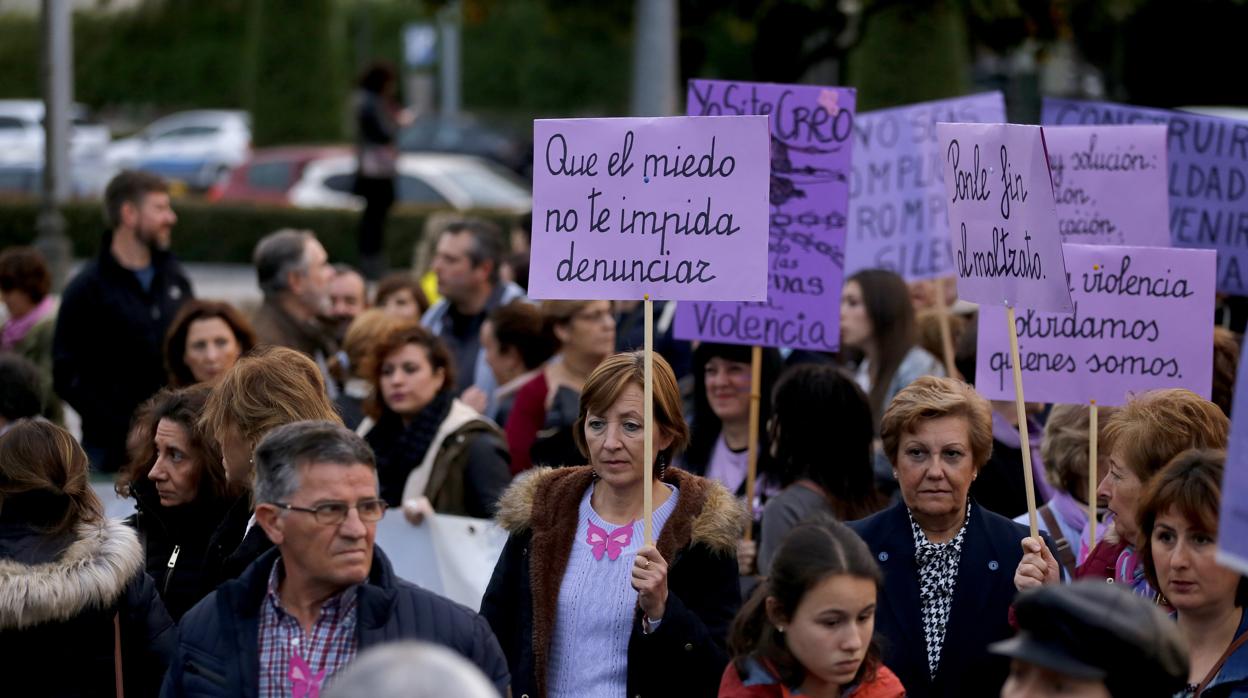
884	552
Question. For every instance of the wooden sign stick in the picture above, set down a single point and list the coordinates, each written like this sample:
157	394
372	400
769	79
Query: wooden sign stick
946	334
1024	440
1093	482
751	472
648	417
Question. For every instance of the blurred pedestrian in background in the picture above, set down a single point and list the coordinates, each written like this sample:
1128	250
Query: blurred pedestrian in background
517	345
378	116
25	285
400	294
348	297
107	352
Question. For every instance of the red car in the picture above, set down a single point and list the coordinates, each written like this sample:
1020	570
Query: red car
268	175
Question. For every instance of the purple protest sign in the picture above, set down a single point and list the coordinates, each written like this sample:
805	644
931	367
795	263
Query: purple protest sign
811	137
1110	184
1233	519
1143	320
1208	177
1002	217
672	207
897	218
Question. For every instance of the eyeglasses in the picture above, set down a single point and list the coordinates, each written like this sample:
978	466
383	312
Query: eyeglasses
334	513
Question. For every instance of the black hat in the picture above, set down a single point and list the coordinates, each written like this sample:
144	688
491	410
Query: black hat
1098	631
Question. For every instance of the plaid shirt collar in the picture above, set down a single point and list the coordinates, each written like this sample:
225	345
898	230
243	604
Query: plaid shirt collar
340	604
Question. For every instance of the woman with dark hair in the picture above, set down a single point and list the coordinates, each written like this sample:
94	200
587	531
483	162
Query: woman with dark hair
539	427
720	423
378	117
581	605
25	286
75	604
1179	527
399	294
204	341
434	453
810	627
180	491
877	318
814	405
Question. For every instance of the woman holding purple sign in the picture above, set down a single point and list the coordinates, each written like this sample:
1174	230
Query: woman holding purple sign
1141	438
581	604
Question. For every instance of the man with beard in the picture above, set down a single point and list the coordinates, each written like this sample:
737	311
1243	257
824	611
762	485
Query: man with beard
106	351
294	273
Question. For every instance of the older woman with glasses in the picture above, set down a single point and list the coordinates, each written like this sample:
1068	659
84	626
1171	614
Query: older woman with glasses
947	562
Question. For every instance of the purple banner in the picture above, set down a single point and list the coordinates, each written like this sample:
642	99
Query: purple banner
1143	320
897	218
1233	519
672	207
1208	177
811	137
1002	217
1110	184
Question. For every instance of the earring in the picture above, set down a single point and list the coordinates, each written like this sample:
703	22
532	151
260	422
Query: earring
593	475
780	629
660	465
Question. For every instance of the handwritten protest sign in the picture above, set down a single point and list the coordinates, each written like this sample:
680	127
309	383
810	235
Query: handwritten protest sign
1208	177
897	218
1142	320
811	137
1233	519
1002	216
1110	184
672	207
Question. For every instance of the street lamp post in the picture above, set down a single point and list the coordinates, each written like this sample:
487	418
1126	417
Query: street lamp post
56	78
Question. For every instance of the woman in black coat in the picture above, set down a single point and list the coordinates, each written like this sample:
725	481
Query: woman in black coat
584	607
73	594
948	563
181	494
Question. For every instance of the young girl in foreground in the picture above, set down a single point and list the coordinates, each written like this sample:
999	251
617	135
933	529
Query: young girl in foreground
809	628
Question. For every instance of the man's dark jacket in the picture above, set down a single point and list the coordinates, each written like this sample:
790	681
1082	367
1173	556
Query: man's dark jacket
107	352
218	651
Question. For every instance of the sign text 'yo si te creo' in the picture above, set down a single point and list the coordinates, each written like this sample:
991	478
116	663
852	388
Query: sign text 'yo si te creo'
811	135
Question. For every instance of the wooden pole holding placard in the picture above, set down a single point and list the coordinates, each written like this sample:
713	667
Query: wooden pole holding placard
648	417
1093	482
1024	439
946	333
751	471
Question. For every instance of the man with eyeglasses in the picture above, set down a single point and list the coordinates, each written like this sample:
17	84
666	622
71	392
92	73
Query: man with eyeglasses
302	611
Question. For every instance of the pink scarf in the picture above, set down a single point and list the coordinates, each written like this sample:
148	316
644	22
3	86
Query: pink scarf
16	329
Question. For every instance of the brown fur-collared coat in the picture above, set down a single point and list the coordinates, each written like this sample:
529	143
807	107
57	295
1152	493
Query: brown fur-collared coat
686	655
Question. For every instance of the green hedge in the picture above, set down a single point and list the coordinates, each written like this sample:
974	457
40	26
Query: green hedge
228	233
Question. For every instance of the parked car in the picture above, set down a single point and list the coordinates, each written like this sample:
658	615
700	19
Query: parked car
21	132
466	136
197	147
323	178
270	173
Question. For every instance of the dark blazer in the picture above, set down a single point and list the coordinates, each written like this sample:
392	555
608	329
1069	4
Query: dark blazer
218	652
981	603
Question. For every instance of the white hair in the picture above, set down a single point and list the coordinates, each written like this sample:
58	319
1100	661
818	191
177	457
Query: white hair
410	670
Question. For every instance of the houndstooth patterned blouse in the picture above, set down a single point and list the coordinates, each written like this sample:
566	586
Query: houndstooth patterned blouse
938	573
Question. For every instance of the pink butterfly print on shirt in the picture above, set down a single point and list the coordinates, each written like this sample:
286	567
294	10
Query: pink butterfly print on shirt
303	683
610	543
